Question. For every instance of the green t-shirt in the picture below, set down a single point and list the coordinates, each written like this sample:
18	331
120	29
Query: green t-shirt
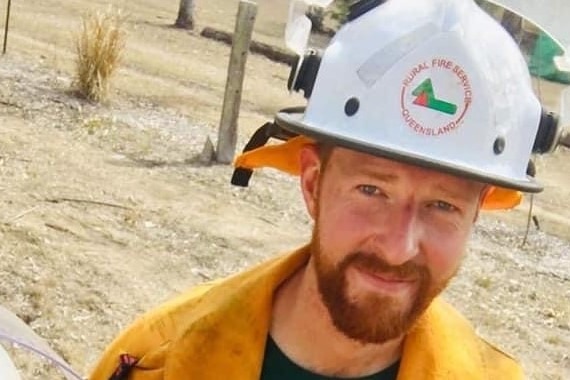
277	366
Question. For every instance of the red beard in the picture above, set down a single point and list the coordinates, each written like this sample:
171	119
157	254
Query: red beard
371	318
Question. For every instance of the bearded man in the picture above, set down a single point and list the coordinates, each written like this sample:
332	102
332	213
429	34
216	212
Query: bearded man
420	114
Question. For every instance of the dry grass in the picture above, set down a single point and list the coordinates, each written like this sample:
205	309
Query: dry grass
484	282
162	64
99	47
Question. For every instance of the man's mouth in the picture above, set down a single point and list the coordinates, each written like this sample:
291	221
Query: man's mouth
385	282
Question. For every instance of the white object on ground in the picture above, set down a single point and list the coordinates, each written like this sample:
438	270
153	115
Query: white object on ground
15	332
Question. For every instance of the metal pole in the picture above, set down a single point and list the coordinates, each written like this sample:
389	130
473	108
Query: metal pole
6	27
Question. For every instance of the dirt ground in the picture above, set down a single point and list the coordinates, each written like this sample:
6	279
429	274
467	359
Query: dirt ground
106	211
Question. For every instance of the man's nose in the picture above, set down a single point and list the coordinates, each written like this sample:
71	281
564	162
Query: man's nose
398	237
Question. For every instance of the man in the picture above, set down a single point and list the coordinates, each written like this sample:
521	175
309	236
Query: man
421	113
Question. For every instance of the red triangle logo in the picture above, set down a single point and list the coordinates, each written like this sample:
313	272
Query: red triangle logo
422	99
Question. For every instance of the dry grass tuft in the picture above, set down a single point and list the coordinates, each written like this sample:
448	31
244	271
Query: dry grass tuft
99	47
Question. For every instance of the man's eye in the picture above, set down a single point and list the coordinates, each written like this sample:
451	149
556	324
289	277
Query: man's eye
444	206
369	190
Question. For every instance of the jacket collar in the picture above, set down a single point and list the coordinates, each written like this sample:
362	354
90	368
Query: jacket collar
227	334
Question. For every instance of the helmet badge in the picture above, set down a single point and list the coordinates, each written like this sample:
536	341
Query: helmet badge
424	109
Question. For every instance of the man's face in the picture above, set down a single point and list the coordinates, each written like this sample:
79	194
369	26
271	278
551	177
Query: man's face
387	238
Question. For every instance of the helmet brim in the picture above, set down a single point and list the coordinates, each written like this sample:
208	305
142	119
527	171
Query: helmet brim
292	120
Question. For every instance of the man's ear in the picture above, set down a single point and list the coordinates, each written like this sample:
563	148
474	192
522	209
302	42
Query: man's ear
310	165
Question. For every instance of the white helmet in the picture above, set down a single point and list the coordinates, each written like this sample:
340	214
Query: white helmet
436	83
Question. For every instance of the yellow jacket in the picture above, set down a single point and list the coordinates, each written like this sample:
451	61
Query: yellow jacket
219	330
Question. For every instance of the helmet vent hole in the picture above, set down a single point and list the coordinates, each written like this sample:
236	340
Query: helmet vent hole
499	145
351	106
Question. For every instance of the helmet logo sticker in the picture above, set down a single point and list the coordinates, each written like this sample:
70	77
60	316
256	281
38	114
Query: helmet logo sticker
426	97
435	97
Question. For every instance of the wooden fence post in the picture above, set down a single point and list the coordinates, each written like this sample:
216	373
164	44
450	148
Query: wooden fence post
227	133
